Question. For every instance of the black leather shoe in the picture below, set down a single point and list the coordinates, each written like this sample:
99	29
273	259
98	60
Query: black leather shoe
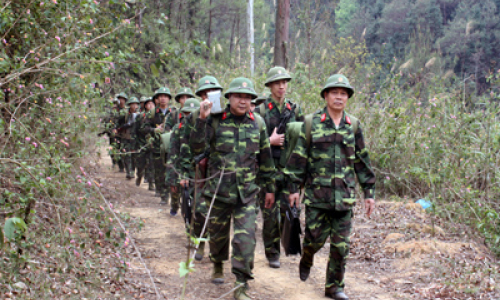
304	272
336	295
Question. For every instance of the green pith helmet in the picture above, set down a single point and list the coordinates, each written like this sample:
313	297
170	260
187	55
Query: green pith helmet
275	74
241	85
184	91
261	98
143	99
162	90
207	82
190	105
132	100
337	80
147	100
122	95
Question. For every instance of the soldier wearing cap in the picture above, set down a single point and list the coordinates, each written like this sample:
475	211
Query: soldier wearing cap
326	161
259	100
183	94
145	166
126	130
206	85
239	146
271	110
119	116
108	123
155	125
172	179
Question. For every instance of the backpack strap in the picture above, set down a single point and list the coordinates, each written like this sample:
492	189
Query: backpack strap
262	109
308	123
354	123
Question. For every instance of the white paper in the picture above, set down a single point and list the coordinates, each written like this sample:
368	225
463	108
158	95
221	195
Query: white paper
214	97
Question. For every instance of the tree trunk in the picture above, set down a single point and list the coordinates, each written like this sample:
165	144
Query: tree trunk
232	42
282	33
251	36
209	26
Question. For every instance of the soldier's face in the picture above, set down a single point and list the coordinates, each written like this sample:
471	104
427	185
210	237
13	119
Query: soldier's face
336	98
149	105
252	107
157	101
142	105
133	107
183	99
122	102
203	94
278	88
163	100
239	104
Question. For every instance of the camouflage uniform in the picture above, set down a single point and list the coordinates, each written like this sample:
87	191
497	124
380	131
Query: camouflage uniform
127	133
187	166
327	167
270	110
157	120
145	167
118	118
238	143
173	161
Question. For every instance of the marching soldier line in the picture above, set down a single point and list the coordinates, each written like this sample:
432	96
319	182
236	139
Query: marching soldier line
268	150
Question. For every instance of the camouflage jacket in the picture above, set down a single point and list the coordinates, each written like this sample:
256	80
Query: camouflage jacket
173	162
327	166
142	137
243	147
272	113
127	126
155	120
186	158
173	118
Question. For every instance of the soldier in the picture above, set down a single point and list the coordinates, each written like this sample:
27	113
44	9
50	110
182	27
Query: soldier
272	110
108	124
122	99
259	100
238	141
143	99
329	152
145	156
172	179
155	125
126	129
205	85
183	94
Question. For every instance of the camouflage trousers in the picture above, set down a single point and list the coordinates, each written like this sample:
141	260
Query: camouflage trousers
175	198
144	164
127	157
244	216
114	153
160	172
321	224
199	212
270	227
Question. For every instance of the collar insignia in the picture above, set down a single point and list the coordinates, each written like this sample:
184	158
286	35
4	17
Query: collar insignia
323	117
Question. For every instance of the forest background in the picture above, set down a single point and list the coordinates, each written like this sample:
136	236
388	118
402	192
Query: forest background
426	74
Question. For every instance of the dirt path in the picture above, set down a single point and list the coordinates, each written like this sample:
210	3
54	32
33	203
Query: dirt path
394	255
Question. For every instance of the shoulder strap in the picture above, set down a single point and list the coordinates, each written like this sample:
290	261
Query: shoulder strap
262	109
308	123
354	123
260	122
